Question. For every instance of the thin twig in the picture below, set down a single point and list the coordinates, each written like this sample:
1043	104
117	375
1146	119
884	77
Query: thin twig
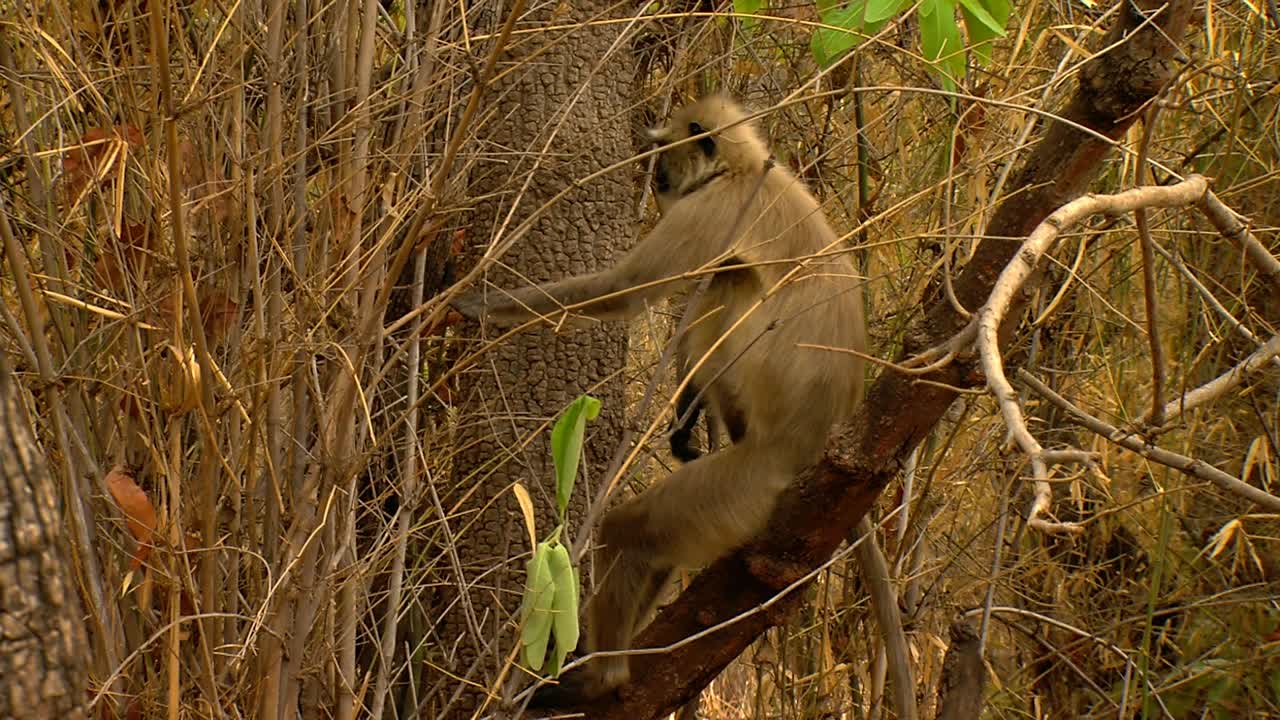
1126	439
1228	223
884	603
1224	383
1149	275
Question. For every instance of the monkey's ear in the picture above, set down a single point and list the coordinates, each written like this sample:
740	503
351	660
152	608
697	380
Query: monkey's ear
656	136
706	144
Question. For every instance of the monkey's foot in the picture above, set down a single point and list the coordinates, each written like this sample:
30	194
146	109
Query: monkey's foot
558	695
578	687
572	690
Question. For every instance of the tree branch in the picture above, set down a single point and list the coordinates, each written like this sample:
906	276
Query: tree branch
1126	439
1014	276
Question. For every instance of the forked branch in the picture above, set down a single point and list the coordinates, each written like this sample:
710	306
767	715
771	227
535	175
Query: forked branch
992	315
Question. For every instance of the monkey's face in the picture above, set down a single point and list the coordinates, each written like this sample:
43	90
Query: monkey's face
685	164
664	191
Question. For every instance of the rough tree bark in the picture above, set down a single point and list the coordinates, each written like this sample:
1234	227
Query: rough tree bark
863	456
572	89
964	676
43	647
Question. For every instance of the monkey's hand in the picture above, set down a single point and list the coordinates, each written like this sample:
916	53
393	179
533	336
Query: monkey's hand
509	307
683	446
499	307
547	303
471	305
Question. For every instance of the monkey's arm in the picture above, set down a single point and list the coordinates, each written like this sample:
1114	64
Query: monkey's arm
656	267
508	307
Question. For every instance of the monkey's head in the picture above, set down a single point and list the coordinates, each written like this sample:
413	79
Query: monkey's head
722	143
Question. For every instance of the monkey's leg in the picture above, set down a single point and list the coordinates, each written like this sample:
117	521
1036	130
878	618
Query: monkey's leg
704	509
713	504
713	432
689	405
631	586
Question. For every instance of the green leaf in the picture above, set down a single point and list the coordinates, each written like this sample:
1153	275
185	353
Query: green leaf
566	446
535	610
880	10
748	7
857	22
999	9
564	626
980	13
940	40
984	20
827	44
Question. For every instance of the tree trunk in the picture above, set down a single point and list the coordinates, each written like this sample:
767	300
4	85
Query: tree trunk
964	676
42	639
567	91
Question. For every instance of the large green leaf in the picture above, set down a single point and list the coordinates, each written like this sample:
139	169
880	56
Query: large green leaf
564	608
536	609
829	44
984	20
880	10
976	10
940	40
566	446
852	24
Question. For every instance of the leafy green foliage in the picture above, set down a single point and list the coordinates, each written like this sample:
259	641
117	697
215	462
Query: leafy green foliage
940	40
879	11
537	607
853	23
564	619
549	609
984	20
566	446
748	7
850	25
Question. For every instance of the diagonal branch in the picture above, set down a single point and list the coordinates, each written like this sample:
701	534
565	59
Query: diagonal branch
1128	440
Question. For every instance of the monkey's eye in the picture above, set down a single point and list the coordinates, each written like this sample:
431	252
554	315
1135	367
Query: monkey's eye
706	144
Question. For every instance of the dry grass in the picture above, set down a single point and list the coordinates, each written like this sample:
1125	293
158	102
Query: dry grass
207	207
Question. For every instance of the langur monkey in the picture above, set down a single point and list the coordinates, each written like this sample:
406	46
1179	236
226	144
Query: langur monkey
779	280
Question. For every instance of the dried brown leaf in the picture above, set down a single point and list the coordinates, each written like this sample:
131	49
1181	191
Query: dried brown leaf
140	515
